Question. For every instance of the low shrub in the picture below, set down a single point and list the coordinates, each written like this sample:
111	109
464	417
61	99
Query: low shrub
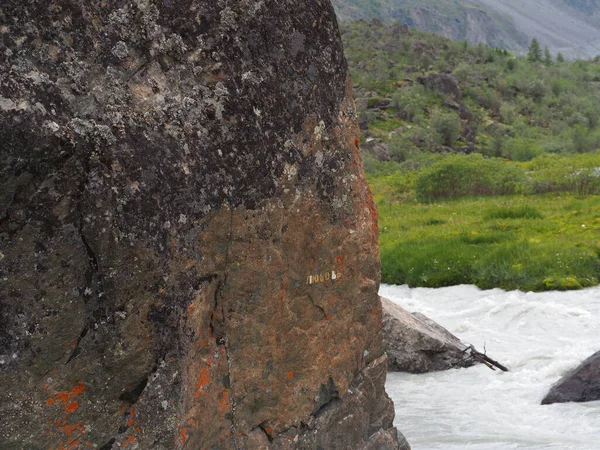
467	175
576	174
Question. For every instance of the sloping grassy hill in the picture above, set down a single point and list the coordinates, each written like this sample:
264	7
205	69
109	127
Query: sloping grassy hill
484	165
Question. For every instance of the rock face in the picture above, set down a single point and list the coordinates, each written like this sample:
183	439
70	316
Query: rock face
581	384
188	244
416	344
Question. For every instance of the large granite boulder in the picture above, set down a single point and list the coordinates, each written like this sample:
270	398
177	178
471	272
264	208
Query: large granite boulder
416	344
581	384
188	247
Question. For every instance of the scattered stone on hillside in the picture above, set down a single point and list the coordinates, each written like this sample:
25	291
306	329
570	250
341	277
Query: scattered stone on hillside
378	103
465	114
363	123
443	83
468	134
581	384
416	344
400	29
405	81
188	244
451	104
377	148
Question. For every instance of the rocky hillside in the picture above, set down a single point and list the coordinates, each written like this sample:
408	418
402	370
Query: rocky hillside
417	92
569	27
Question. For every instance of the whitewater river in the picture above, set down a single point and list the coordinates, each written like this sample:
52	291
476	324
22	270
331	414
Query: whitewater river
538	336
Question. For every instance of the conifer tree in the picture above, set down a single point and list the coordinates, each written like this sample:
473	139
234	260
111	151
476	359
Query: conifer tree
560	57
547	56
535	52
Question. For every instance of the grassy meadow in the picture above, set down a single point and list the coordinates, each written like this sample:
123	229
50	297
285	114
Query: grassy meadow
536	243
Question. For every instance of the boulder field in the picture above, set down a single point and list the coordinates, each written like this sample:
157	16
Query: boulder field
188	246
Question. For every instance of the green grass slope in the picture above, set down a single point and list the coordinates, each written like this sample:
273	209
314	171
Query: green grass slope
485	166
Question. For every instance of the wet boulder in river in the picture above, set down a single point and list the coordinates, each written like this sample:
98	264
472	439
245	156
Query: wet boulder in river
416	344
581	384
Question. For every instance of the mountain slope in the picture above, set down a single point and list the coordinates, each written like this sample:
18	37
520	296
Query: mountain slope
590	8
571	27
461	20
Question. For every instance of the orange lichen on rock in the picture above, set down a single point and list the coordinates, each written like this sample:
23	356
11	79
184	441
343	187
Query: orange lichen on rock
373	212
224	406
128	441
65	398
183	437
77	428
203	380
78	390
72	407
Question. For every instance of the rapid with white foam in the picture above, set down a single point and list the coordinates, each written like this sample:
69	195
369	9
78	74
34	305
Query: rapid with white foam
539	336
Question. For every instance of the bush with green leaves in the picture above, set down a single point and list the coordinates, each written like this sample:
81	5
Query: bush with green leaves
579	174
521	149
411	102
584	140
447	127
466	175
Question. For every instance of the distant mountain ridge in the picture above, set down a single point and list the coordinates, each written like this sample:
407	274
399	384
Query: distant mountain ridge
571	27
462	20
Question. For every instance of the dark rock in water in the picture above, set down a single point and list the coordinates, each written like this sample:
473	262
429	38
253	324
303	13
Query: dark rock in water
581	384
416	344
188	247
